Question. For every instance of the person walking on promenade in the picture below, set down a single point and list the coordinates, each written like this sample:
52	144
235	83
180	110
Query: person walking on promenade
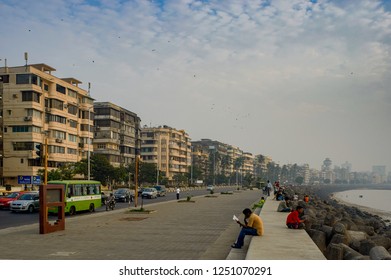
253	226
269	187
178	191
284	206
293	220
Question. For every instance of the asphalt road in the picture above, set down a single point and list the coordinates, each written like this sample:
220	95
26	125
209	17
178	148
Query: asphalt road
9	219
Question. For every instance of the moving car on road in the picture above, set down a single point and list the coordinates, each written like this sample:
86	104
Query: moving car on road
28	201
123	194
161	190
149	193
210	188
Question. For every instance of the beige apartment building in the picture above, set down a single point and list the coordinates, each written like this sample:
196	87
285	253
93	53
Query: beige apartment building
234	153
37	108
167	147
117	133
248	163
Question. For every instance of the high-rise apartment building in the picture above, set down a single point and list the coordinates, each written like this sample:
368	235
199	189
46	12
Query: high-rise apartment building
167	147
117	133
37	108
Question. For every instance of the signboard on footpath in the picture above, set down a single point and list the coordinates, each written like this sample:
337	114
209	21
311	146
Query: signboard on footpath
26	180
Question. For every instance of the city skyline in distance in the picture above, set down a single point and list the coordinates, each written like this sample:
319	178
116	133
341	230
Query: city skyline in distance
298	81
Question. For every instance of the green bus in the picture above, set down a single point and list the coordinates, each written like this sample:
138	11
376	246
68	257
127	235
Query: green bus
80	195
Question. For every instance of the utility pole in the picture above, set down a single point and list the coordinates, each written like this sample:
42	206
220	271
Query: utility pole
136	181
45	180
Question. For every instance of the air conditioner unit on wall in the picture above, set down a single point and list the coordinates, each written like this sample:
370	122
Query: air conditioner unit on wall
28	118
58	140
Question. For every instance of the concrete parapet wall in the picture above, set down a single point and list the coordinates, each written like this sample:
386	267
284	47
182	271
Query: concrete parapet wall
280	242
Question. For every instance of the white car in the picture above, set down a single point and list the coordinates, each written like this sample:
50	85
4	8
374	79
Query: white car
149	193
26	202
210	188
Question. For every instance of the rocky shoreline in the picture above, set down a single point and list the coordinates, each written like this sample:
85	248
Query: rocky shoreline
343	232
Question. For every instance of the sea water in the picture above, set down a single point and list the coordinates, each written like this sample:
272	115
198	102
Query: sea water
378	200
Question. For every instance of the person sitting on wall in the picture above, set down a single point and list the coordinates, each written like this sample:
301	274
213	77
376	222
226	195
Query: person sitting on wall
259	204
253	226
293	220
279	195
284	206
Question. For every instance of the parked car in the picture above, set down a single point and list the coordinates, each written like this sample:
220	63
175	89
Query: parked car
161	190
149	193
5	201
28	201
210	188
124	195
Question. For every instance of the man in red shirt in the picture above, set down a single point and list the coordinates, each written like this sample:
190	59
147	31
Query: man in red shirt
293	220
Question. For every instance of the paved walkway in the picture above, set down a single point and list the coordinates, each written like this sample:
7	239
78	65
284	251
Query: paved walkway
188	231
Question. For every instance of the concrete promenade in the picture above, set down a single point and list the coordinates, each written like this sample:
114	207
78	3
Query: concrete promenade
183	231
203	230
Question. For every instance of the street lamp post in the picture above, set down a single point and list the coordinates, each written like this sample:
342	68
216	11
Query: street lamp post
191	166
89	143
158	146
214	163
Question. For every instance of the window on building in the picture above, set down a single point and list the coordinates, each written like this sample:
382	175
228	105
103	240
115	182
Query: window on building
72	151
22	79
26	128
4	79
24	146
72	109
73	123
56	104
102	111
56	149
72	93
34	113
45	87
84	127
115	113
58	134
101	146
73	138
31	96
55	118
60	89
87	100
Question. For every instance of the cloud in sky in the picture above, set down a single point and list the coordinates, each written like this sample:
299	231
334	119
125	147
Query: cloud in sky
296	80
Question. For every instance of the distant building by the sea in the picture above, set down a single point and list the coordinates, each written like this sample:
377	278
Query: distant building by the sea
379	174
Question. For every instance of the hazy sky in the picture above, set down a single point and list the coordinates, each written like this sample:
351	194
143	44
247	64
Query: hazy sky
295	80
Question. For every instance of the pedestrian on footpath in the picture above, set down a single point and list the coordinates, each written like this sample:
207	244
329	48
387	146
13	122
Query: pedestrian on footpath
253	226
269	187
178	191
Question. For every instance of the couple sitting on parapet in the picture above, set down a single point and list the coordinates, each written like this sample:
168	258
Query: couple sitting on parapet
253	224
